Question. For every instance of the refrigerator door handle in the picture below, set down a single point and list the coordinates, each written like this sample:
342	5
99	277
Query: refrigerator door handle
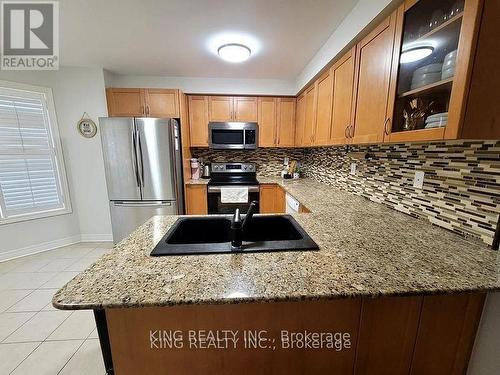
139	158
142	204
134	159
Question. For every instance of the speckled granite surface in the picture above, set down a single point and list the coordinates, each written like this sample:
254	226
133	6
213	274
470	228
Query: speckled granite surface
366	249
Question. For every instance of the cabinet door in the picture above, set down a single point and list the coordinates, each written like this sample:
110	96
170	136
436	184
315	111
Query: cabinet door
324	109
220	108
374	55
245	109
267	202
300	120
343	87
267	122
162	103
286	122
125	102
198	120
196	200
310	116
280	201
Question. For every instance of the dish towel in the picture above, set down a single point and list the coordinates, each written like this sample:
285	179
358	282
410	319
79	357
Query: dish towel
234	195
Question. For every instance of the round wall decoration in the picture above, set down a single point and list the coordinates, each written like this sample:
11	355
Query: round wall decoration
86	126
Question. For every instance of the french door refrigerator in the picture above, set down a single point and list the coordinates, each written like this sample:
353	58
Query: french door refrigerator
143	166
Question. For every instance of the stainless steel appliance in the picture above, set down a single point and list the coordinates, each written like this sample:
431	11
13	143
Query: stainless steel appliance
206	171
231	175
142	159
233	135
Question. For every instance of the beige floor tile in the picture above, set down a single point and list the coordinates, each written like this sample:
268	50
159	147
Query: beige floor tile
70	252
13	354
49	358
9	265
57	265
31	280
81	264
9	322
97	253
35	301
78	326
59	280
10	297
87	360
31	265
39	327
94	334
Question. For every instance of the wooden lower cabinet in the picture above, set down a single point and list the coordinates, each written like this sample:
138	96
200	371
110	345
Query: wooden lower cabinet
419	335
272	199
196	200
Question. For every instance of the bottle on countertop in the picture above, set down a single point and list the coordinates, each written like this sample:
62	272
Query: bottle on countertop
195	169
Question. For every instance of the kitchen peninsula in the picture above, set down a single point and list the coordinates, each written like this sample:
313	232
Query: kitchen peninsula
385	294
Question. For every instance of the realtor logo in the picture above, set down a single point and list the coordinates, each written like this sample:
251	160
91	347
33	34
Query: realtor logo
29	35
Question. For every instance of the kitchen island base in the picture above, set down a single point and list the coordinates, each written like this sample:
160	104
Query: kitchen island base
432	334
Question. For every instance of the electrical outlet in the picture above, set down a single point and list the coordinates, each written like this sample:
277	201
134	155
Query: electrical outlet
418	181
353	168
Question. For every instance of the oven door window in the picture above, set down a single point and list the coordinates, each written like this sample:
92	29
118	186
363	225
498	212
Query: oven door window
227	137
215	206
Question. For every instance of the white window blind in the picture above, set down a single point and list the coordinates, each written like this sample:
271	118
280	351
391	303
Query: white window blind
30	174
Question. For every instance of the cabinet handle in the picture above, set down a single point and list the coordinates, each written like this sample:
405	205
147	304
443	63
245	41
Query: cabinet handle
147	110
387	121
143	112
346	131
351	132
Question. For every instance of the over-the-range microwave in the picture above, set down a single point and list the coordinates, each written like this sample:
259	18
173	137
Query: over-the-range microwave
233	135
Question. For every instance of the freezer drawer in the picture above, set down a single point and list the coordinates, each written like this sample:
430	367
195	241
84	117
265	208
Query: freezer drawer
128	216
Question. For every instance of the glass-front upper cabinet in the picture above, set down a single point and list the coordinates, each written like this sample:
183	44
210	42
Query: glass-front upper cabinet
427	65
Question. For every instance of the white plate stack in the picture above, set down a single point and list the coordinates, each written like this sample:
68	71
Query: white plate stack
449	64
437	120
426	75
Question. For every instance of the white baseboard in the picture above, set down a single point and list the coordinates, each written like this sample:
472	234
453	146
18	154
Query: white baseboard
96	238
51	245
38	248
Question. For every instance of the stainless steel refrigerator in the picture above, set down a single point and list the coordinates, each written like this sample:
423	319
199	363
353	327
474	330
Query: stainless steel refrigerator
143	165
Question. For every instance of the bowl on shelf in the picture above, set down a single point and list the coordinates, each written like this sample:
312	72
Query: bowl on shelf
436	120
448	73
431	68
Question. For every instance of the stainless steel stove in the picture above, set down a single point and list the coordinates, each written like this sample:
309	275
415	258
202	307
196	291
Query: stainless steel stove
231	175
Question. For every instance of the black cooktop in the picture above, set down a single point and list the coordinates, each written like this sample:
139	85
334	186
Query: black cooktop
247	179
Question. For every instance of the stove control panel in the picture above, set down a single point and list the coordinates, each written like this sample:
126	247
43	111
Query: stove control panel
233	167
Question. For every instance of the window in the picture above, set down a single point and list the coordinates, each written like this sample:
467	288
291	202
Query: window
32	177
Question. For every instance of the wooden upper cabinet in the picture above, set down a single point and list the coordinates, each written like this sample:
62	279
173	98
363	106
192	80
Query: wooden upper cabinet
220	108
267	122
198	120
229	108
143	102
343	86
162	103
125	102
286	122
300	120
310	115
324	109
374	56
245	109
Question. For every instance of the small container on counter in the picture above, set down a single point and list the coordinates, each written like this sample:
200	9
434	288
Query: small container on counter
195	169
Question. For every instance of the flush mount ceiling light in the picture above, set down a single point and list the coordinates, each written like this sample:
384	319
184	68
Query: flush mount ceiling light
234	52
415	54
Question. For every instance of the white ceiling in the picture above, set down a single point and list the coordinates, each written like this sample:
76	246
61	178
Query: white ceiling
173	37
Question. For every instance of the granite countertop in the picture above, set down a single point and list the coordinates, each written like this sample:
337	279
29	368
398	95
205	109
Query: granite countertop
366	249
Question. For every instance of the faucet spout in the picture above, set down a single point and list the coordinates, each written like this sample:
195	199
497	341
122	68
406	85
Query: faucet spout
237	226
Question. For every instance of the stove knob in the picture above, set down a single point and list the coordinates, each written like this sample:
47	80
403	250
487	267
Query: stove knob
245	168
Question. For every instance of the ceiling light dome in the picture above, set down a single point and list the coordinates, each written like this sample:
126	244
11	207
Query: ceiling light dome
415	54
234	52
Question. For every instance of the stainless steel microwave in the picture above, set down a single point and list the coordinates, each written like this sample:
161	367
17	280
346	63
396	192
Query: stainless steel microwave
233	135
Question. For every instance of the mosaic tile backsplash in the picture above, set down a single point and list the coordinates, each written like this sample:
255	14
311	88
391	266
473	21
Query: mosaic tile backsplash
269	161
461	187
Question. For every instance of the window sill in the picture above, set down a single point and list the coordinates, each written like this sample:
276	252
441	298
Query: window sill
42	215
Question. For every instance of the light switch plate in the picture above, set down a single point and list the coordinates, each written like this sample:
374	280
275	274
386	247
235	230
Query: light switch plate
418	181
353	168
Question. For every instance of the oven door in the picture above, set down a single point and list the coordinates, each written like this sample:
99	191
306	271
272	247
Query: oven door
215	206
